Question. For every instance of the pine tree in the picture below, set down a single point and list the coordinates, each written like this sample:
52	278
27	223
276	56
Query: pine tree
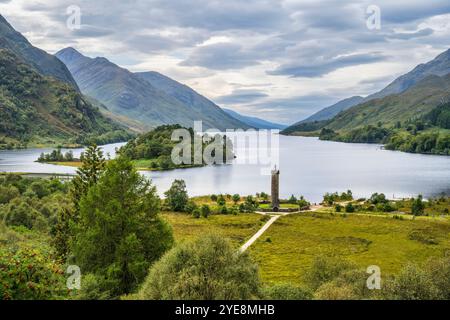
93	164
119	234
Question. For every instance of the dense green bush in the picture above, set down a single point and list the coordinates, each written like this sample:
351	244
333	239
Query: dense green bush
325	269
330	198
196	271
285	291
414	283
20	213
205	211
177	197
418	207
7	193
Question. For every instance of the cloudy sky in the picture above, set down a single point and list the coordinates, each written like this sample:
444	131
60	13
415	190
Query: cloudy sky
280	60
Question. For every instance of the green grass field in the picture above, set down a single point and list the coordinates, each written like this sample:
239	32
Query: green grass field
365	240
237	228
282	205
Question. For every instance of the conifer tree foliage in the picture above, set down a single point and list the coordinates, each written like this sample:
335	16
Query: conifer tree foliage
93	164
119	233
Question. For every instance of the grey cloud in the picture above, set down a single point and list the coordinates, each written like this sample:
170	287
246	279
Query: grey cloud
403	11
222	56
411	35
327	66
90	31
241	96
305	38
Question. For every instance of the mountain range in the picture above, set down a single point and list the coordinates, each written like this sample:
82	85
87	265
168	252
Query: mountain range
254	121
331	111
418	100
406	98
45	63
149	98
42	110
40	102
440	66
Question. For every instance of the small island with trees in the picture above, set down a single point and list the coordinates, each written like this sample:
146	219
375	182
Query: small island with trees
152	151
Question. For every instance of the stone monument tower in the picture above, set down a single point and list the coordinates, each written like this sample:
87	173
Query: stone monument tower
275	189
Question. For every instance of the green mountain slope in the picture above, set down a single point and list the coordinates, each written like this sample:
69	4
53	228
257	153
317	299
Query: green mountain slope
409	105
127	94
37	109
439	66
331	111
45	63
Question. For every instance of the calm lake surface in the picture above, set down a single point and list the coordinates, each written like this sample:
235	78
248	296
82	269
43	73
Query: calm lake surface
308	167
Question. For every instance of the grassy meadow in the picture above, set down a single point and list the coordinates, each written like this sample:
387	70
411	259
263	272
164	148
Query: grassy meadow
237	228
288	248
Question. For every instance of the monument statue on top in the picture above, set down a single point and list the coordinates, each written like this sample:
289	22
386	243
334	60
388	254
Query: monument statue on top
275	189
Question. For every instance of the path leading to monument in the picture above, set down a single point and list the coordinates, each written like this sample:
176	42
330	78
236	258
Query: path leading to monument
259	233
274	217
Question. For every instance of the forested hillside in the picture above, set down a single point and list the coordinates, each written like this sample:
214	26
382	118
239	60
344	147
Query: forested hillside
43	110
46	64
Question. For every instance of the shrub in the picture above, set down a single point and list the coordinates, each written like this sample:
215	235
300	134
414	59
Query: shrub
92	288
221	200
325	269
40	189
196	213
195	271
349	208
418	206
286	291
332	291
303	203
292	200
20	213
177	196
190	207
30	274
223	210
413	283
377	198
206	211
8	193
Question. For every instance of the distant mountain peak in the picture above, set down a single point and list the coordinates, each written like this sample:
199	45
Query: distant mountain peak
255	122
149	98
69	54
43	62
